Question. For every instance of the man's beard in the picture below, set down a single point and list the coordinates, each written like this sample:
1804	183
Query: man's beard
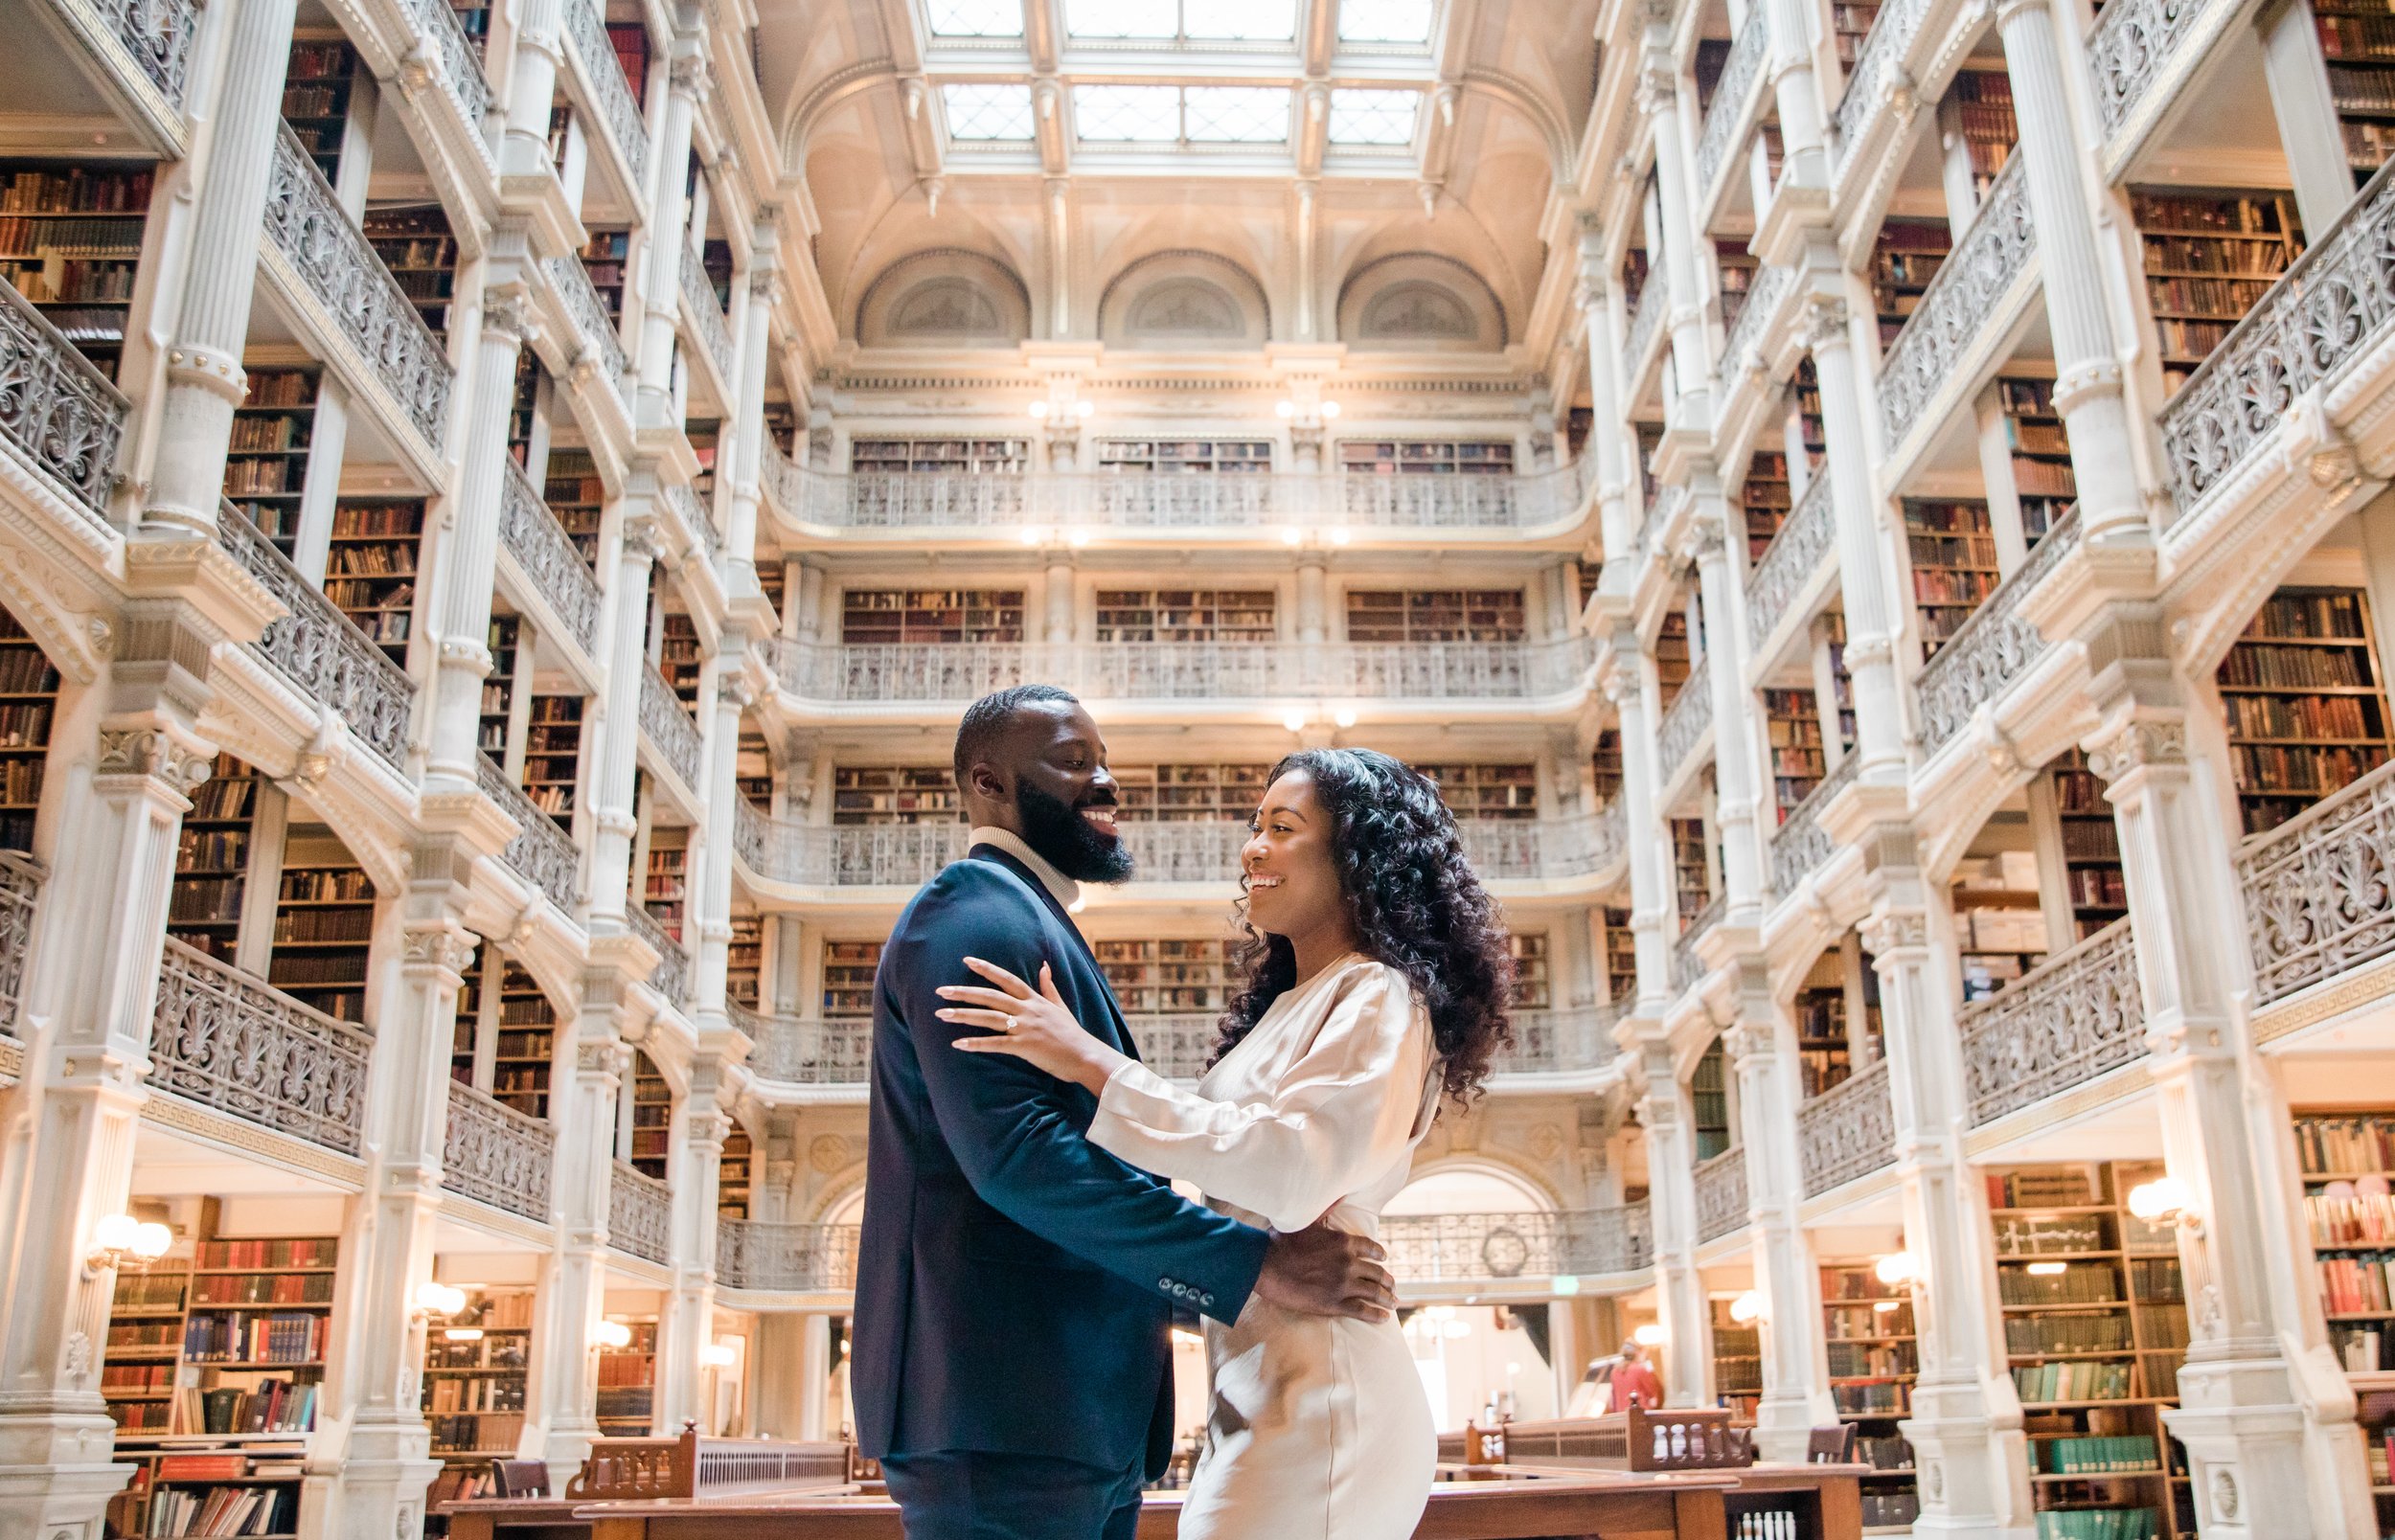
1057	831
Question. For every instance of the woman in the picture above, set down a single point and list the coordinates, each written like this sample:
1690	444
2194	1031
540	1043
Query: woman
1377	979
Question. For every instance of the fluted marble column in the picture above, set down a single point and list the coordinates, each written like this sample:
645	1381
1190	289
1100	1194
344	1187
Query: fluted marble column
748	448
1762	1045
712	890
204	380
1651	906
1872	624
532	88
1658	98
1679	1286
666	235
2087	369
1617	512
586	1076
696	1170
1734	769
618	739
1796	93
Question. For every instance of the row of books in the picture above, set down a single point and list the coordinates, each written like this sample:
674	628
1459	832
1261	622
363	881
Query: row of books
25	724
271	1406
1850	1360
2346	1146
490	1393
76	281
25	670
2048	1234
76	191
377	520
259	435
325	925
2094	1331
2357	1285
1890	1397
323	884
313	100
265	1288
250	478
2075	1284
2305	770
284	1337
452	1434
222	1510
2082	1381
2105	1456
2364	1220
2316	716
2098	888
2099	1524
197	901
2361	90
2186	339
382	560
2352	37
346	969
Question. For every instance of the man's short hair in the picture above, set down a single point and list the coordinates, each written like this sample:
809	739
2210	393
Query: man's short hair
988	720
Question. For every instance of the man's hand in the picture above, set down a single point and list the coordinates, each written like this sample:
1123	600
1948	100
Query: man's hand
1327	1272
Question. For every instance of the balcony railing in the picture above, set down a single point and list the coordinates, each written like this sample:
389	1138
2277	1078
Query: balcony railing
605	71
1427	1249
542	854
1653	298
2320	889
21	877
1721	1195
1687	959
1991	649
897	500
308	227
498	1155
754	1254
225	1040
1685	721
1800	845
1568	1041
552	564
460	71
1953	315
672	978
929	672
640	1213
2336	303
697	512
158	35
319	651
698	293
591	321
665	721
2064	1022
1848	1131
1883	54
1732	95
1754	313
1787	564
2129	46
55	409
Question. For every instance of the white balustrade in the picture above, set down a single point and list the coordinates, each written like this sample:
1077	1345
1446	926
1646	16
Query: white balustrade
1958	307
2064	1022
672	978
1720	1185
666	723
1797	552
787	1259
55	409
542	854
1991	649
605	70
2319	890
706	311
1848	1131
1800	845
640	1213
226	1040
552	564
498	1155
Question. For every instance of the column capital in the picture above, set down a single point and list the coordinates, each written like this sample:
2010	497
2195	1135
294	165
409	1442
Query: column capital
1657	91
1894	930
733	689
644	538
444	944
149	750
1824	322
2139	743
689	76
508	316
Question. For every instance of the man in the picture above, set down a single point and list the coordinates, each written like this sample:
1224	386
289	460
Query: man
1016	1283
1634	1383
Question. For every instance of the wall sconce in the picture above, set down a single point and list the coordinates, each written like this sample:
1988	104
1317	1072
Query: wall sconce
1345	716
2166	1200
1747	1308
1039	411
1649	1335
1284	409
1294	721
1897	1269
437	1298
611	1336
122	1240
1085	409
718	1355
1331	411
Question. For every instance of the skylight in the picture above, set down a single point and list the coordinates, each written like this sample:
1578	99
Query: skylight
1174	21
1388	21
1374	117
1168	114
975	18
988	112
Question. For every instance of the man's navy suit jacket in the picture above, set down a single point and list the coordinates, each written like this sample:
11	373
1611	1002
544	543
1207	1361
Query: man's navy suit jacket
1016	1285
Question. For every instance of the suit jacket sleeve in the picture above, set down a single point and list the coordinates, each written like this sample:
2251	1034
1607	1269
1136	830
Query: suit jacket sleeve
1013	1128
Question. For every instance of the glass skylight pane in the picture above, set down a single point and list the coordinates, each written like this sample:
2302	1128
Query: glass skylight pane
1374	117
975	18
1137	113
1246	20
989	111
1238	114
1386	21
1121	18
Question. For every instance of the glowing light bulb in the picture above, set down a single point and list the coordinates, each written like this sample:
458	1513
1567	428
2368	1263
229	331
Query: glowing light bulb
611	1335
1746	1308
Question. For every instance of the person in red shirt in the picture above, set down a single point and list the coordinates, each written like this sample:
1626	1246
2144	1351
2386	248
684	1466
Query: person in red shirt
1633	1382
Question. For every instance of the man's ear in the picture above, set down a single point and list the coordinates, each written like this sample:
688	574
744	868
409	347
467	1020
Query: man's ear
985	780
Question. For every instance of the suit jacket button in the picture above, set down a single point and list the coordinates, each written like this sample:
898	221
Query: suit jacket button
1206	1300
1164	1282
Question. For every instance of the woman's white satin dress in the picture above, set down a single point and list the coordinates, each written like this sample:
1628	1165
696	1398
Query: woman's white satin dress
1319	1428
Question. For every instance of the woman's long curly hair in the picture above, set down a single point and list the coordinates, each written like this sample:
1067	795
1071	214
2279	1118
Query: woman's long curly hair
1415	902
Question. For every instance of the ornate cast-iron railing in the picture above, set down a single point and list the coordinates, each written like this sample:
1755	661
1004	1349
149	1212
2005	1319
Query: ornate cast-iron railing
460	69
756	1254
1466	1248
320	650
225	1040
2129	47
2335	304
158	35
1788	562
640	1213
591	321
1732	95
1991	649
498	1155
1848	1131
21	877
698	293
1883	47
1800	845
2064	1022
672	978
57	410
1570	1040
1720	1185
541	547
1685	721
1687	960
606	74
666	723
1954	314
308	227
699	515
2319	889
1754	313
542	854
1654	299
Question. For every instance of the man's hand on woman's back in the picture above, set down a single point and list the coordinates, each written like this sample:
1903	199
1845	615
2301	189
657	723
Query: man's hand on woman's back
1321	1271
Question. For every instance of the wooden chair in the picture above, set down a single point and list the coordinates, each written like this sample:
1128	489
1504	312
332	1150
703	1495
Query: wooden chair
1831	1446
520	1477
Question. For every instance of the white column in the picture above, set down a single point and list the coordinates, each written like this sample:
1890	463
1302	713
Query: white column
688	1326
1313	599
1686	1359
1651	905
532	88
709	905
1872	619
748	448
1617	519
1761	1046
1061	600
666	234
1734	770
1796	93
327	438
1658	98
204	382
617	741
585	1077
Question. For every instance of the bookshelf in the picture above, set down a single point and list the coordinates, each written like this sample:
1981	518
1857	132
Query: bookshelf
370	571
1709	1101
29	695
680	659
1153	977
145	1347
1180	793
667	889
1634	269
1798	759
1692	871
475	1365
1953	549
885	455
848	969
523	406
324	921
1621	957
571	486
2358	45
744	968
1998	921
1907	256
467	1032
1185	456
528	1041
316	100
1767	497
1533	985
498	688
895	794
1805	398
652	1117
2209	257
1605	763
552	748
1824	1054
734	1173
897	615
1487	790
1849	26
1738	268
211	856
1673	660
2043	477
628	1377
1874	1360
1984	109
1737	1364
1435	615
2374	1397
2092	845
2095	1326
1830	637
1416	457
2305	702
1186	615
2348	1158
414	243
607	258
71	243
265	466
